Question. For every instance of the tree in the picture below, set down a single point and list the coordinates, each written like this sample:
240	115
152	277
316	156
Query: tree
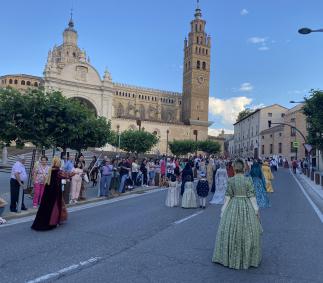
244	113
12	113
209	147
49	120
314	117
137	141
182	147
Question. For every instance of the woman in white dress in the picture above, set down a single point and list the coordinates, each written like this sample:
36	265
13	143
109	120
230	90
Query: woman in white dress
189	199
221	181
172	194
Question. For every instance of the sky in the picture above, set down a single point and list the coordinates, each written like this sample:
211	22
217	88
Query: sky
257	59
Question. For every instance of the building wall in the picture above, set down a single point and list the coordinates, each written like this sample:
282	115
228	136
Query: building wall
20	81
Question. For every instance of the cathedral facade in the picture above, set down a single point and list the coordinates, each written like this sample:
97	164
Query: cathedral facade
170	115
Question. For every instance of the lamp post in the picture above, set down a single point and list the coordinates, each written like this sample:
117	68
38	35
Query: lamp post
308	30
195	132
118	129
167	133
139	124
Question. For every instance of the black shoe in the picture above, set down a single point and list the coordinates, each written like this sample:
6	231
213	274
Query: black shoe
24	208
201	206
13	210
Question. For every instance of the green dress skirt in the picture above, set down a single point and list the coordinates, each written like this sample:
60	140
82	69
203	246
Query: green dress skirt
238	243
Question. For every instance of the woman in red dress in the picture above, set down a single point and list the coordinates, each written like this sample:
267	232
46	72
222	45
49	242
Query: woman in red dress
52	210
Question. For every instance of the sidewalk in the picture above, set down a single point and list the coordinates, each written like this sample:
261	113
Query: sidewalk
91	194
318	189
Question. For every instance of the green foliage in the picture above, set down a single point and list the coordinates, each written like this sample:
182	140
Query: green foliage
137	141
244	113
313	110
182	147
209	147
49	120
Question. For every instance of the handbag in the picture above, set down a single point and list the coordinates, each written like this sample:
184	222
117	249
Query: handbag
86	178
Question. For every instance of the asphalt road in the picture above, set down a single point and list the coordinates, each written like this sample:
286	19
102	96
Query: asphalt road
140	240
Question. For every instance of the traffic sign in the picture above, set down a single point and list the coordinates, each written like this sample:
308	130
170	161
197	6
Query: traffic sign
295	144
308	147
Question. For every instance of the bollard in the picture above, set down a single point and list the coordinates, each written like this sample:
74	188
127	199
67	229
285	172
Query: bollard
317	178
312	175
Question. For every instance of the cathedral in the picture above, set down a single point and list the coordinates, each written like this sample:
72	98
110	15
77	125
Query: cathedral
169	115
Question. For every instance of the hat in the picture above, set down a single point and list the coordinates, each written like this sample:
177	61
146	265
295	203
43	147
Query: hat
21	157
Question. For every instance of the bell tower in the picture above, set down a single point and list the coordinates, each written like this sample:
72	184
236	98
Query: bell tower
196	73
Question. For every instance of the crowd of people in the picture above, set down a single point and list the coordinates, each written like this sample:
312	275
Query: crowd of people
240	186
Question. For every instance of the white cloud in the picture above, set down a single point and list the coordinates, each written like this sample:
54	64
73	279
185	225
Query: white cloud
216	132
263	48
257	40
246	87
228	109
244	12
262	42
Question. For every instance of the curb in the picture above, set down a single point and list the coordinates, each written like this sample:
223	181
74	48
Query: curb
33	211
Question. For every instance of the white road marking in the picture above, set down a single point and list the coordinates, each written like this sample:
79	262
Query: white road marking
316	209
65	270
188	217
83	207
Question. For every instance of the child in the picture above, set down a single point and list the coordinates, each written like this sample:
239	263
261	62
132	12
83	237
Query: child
202	189
189	197
172	194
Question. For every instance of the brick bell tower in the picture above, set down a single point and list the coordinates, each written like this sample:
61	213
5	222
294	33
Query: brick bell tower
196	74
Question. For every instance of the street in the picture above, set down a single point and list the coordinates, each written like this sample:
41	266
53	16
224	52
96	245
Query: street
139	239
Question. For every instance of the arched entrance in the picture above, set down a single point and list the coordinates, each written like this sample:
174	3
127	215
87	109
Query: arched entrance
86	103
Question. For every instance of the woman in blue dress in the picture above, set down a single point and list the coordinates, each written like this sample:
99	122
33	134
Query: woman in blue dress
259	183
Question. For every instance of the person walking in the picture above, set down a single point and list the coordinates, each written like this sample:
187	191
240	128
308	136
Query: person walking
238	240
187	171
143	170
151	172
124	171
172	198
268	177
202	189
52	210
189	196
221	181
134	171
40	176
93	171
18	179
106	177
259	184
76	182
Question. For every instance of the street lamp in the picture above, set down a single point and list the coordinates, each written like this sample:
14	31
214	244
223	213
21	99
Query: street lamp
195	132
292	101
308	30
118	129
167	132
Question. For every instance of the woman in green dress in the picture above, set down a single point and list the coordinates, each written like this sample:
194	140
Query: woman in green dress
238	243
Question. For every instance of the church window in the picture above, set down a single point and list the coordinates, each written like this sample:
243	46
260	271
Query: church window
198	65
28	82
206	51
196	49
200	50
148	98
123	94
200	27
203	51
133	95
201	40
195	27
139	96
23	82
10	81
74	54
203	65
197	40
67	53
16	82
35	84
